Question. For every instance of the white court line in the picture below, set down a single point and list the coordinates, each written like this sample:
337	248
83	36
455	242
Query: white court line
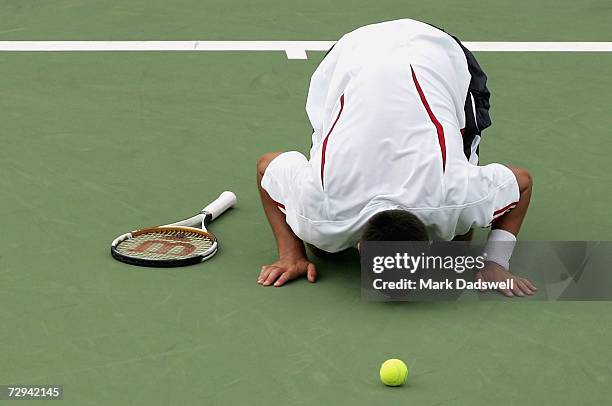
293	49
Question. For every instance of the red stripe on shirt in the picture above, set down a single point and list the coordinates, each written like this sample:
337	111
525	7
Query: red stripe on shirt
500	215
327	139
433	119
497	215
279	205
504	209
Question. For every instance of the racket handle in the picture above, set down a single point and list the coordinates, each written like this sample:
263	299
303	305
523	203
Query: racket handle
223	202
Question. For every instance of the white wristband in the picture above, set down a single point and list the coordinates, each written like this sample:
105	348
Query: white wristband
499	247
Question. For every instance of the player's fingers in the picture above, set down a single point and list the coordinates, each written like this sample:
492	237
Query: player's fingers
272	276
521	284
507	292
479	277
529	284
262	272
265	271
517	288
284	278
311	273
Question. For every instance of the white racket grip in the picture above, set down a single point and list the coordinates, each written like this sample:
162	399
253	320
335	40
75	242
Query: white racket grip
224	201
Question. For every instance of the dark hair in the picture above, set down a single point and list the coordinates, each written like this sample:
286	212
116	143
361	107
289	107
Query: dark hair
394	225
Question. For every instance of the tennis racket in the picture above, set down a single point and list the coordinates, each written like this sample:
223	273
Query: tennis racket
182	243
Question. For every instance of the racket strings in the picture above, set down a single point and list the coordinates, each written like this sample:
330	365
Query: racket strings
166	244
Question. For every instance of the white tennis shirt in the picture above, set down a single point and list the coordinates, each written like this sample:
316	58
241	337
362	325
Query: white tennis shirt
387	109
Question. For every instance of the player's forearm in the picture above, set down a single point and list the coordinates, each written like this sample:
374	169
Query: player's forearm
512	221
502	238
289	245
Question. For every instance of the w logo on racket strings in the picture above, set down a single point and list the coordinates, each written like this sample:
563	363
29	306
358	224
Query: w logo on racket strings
164	247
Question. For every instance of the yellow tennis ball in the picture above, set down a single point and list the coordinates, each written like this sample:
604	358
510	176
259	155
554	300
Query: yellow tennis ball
393	372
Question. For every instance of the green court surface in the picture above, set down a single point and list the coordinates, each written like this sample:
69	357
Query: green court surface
94	143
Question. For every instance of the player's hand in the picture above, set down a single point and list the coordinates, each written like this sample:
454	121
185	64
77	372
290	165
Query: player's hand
494	272
284	270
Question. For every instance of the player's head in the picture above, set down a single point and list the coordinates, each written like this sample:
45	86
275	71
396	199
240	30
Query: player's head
394	225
